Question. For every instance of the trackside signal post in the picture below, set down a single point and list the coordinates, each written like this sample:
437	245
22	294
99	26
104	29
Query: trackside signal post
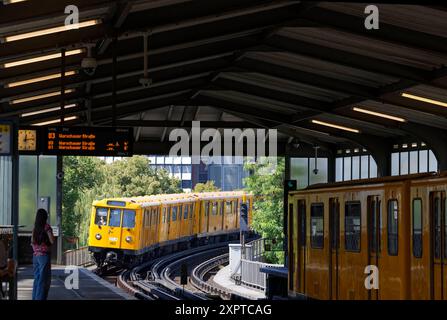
243	224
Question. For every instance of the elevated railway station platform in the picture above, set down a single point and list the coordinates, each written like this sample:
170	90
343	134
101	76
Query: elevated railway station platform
349	98
91	287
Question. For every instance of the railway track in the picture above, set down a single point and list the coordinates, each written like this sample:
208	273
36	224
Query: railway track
156	279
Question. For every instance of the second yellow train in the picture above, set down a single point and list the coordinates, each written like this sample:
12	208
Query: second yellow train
129	230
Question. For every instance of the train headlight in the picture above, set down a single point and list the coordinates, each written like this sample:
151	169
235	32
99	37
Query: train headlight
129	239
98	236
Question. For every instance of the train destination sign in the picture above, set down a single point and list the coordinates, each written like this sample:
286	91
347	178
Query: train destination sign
88	141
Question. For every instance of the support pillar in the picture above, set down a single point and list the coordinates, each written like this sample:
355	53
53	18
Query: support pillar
59	208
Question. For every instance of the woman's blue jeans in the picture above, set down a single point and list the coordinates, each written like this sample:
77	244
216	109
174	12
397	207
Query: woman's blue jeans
42	277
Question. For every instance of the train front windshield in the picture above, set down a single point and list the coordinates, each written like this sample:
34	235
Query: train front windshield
112	217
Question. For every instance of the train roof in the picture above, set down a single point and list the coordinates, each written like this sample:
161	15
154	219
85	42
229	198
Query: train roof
372	181
152	200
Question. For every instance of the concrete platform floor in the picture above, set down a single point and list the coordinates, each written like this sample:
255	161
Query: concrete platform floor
91	287
223	279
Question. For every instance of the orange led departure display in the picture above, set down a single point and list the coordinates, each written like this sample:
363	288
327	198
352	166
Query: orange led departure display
88	141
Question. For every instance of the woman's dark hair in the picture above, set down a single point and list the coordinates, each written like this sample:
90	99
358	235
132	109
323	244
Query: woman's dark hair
39	234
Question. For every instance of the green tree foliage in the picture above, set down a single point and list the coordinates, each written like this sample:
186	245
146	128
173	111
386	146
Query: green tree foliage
206	187
89	179
134	177
80	174
267	185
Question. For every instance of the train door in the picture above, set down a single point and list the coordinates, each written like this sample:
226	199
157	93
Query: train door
301	247
374	219
334	246
438	245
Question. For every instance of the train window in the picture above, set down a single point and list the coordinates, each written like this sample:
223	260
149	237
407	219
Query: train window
165	212
168	214
174	213
375	224
235	207
206	207
228	207
352	226
146	217
393	227
115	218
129	219
101	216
191	210
185	211
302	222
221	208
417	228
317	225
214	208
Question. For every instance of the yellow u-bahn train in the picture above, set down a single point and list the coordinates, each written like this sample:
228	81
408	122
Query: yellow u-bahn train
128	230
383	238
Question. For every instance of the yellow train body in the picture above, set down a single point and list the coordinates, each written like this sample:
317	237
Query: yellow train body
393	229
130	228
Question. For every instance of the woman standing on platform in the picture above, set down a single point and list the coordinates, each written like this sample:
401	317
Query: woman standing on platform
41	241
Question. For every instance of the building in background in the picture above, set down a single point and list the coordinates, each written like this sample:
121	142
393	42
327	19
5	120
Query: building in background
227	176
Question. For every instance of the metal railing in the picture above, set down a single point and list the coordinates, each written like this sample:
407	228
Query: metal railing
78	257
250	269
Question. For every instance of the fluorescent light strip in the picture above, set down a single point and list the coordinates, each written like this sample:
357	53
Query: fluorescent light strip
38	79
5	2
336	126
54	121
41	58
378	114
43	32
40	96
427	100
33	113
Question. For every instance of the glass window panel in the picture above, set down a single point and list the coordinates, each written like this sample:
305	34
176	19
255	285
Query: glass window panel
27	191
321	176
433	163
352	226
186	160
413	161
169	160
129	219
372	167
174	213
364	167
101	216
178	160
423	160
317	226
404	163
393	212
339	169
151	159
215	174
115	218
47	186
160	160
355	167
395	164
347	173
299	171
178	172
417	228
